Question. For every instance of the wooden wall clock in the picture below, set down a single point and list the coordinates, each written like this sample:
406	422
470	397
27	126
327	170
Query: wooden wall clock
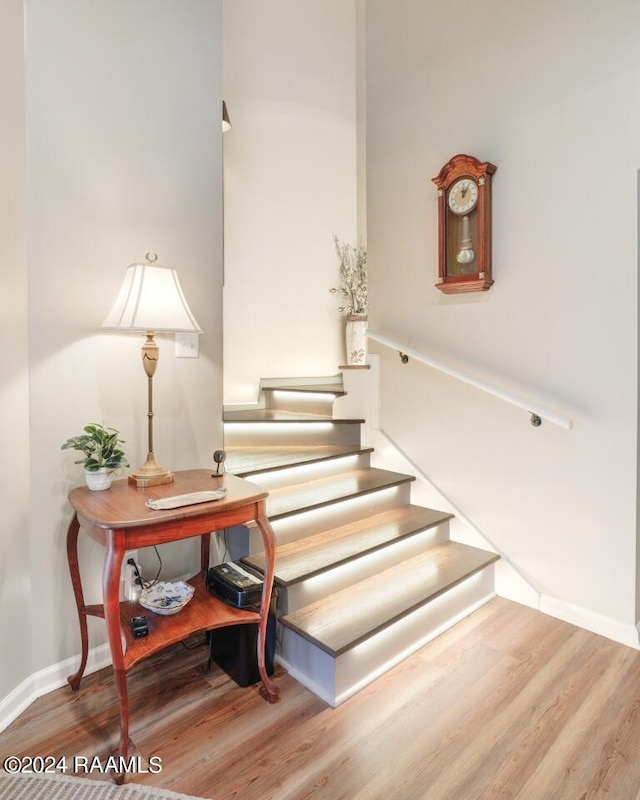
464	225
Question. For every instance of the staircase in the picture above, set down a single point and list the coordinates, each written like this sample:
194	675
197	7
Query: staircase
364	577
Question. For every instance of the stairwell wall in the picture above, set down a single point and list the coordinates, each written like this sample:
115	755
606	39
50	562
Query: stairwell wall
289	186
120	154
543	91
15	576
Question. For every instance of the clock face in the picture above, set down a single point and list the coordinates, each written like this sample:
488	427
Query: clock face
463	196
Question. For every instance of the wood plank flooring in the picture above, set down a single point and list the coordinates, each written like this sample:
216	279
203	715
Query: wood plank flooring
509	704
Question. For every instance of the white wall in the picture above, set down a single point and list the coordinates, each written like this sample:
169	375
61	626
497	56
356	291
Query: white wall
15	577
290	184
545	91
124	156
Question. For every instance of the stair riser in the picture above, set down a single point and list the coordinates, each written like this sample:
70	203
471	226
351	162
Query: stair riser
307	591
290	434
297	526
336	679
309	403
286	476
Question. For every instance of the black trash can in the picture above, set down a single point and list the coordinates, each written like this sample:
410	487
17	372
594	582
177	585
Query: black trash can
234	649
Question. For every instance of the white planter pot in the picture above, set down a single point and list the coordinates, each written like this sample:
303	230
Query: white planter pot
97	481
356	340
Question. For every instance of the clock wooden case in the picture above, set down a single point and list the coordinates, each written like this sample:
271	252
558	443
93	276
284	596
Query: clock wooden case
464	225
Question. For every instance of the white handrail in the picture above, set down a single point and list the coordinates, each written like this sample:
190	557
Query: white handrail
537	412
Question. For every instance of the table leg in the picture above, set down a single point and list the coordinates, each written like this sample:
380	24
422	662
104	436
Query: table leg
74	569
111	598
269	539
205	549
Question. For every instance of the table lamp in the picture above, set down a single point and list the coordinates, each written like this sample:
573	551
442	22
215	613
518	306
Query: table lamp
151	301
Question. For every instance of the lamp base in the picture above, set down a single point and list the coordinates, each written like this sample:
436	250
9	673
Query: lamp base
150	474
143	482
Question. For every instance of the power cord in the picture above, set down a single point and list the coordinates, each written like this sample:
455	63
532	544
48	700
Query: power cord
140	580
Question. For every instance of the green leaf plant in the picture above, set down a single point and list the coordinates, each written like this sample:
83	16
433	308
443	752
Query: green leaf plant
100	446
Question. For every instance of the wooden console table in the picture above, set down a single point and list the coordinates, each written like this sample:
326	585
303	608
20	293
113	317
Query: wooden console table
119	520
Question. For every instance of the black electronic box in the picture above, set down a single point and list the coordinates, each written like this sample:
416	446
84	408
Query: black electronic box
235	583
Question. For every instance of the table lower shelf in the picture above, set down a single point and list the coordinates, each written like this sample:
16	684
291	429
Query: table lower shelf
204	612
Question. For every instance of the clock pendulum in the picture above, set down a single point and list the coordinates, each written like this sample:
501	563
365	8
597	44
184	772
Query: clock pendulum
465	254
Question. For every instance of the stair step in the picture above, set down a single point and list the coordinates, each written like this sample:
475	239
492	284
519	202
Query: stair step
315	494
316	554
262	427
276	415
341	621
313	399
246	461
314	388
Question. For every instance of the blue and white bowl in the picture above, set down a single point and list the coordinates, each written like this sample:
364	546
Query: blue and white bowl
166	597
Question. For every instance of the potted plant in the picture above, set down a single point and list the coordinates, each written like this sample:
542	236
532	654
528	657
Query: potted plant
102	454
354	289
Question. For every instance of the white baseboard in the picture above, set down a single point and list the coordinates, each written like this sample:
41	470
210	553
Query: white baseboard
591	621
46	680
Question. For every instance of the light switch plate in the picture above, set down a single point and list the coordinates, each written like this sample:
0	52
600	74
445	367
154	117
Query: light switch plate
187	345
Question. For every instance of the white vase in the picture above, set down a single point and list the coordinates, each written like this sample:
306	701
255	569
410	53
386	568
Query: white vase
356	340
97	481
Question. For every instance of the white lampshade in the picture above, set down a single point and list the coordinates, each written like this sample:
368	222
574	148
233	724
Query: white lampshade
151	299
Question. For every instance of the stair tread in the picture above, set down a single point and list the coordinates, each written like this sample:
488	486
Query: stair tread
274	415
305	496
342	620
244	461
312	555
313	388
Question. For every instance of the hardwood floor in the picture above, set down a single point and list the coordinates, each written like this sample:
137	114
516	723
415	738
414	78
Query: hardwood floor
508	704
